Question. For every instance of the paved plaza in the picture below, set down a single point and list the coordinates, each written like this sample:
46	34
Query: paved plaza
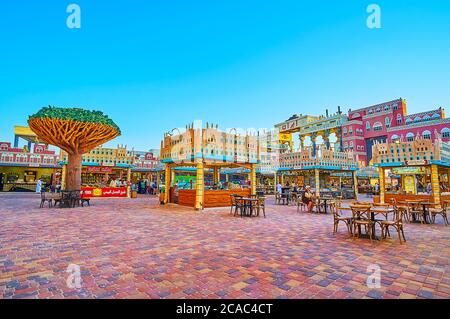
135	248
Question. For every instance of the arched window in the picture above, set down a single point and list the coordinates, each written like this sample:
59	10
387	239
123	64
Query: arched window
351	146
426	134
408	120
355	115
386	107
377	126
399	119
395	138
410	137
435	116
345	130
367	126
387	121
445	132
426	118
417	119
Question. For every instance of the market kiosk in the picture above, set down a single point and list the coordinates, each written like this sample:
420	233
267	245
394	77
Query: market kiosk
105	172
415	170
325	170
207	151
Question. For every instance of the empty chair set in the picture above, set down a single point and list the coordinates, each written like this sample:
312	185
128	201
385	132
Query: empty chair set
248	206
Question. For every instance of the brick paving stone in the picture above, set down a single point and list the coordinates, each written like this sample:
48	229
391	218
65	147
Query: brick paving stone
135	248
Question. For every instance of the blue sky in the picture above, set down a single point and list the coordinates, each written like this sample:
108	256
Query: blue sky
156	65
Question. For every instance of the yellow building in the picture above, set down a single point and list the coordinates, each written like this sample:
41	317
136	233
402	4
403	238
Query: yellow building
102	164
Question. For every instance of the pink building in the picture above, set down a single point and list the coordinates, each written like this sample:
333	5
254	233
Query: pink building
370	124
387	122
40	157
425	124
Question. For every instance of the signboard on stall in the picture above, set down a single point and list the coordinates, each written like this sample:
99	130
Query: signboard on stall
89	192
408	170
416	162
99	169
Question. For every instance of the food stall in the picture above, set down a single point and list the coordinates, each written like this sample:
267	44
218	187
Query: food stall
103	181
21	168
105	172
328	172
413	170
207	151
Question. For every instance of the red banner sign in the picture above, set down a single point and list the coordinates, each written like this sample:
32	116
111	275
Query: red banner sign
88	192
99	169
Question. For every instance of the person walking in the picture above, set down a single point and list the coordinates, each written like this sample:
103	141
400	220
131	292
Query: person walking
39	185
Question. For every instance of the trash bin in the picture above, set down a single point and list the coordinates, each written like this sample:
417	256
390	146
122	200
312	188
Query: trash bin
133	194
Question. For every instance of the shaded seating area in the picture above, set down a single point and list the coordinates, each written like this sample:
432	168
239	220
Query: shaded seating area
64	199
363	220
252	206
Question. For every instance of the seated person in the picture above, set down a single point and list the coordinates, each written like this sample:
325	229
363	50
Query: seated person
307	198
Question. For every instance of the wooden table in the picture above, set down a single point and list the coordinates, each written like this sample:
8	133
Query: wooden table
247	204
424	205
425	211
372	211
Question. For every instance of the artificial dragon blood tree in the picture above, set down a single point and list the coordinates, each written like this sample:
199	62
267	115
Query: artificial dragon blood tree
74	130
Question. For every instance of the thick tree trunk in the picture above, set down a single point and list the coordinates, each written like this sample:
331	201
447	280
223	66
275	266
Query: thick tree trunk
73	181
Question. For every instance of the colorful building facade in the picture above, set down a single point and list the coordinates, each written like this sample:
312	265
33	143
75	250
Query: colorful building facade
20	168
360	129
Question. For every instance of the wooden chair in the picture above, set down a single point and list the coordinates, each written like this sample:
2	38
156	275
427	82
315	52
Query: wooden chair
75	197
300	205
286	197
320	206
415	212
382	205
57	199
439	211
45	199
335	209
294	198
397	224
260	206
65	200
361	218
278	198
235	204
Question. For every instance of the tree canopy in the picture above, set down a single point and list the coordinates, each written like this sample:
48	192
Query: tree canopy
75	114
